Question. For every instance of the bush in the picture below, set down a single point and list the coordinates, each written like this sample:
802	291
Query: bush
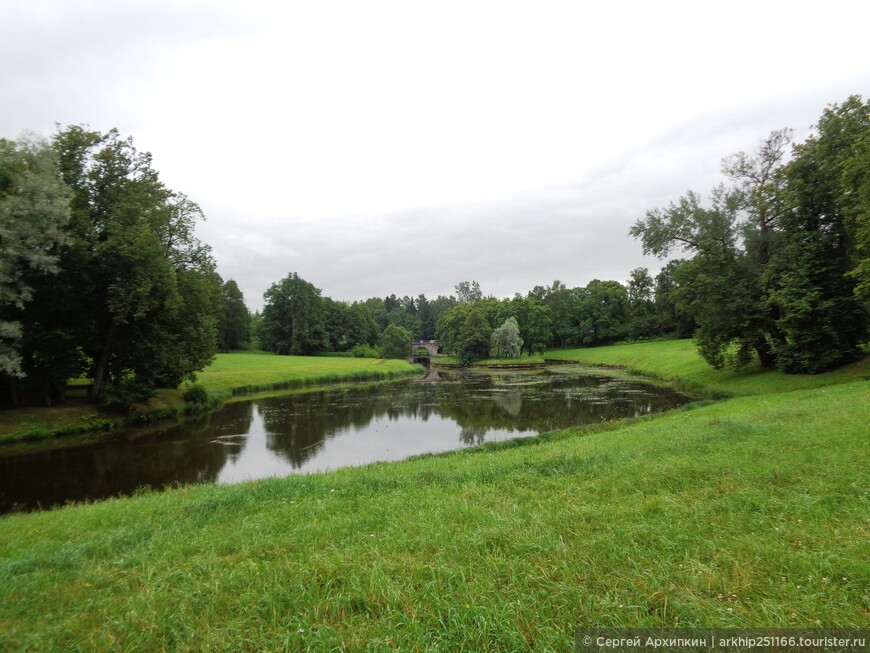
123	394
195	394
365	351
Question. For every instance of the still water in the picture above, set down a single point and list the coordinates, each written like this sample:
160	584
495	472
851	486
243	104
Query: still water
318	431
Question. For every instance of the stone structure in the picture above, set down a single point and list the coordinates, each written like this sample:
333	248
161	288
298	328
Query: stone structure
431	346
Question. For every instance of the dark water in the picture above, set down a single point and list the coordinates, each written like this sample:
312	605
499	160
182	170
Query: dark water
324	430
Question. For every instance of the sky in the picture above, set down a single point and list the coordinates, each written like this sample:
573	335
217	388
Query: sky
403	147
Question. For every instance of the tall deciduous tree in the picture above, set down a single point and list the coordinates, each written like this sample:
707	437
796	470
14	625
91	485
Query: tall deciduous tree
822	322
234	323
294	319
641	307
396	342
671	315
722	283
602	312
141	288
475	337
463	331
468	292
34	210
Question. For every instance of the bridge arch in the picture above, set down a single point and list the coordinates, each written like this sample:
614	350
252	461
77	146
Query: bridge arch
417	356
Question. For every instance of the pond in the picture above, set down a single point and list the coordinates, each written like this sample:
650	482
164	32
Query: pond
323	430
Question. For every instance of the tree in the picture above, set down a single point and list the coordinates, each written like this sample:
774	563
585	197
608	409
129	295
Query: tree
468	292
812	278
534	320
294	319
34	210
396	342
671	315
506	339
561	301
234	320
777	256
349	325
449	329
856	178
137	285
641	308
721	284
602	312
464	332
475	337
361	326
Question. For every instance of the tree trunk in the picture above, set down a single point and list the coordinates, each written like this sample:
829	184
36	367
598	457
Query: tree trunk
103	364
765	356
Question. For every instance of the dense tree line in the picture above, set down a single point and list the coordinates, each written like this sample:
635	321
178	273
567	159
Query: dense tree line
101	275
298	320
779	255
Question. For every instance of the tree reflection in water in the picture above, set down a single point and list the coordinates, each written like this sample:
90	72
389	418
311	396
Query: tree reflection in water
327	429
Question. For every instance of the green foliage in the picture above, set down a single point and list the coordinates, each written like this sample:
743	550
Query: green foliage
349	325
468	292
856	178
671	315
602	313
34	210
474	337
136	293
234	318
777	257
813	277
396	342
195	394
122	394
294	318
641	307
365	351
506	341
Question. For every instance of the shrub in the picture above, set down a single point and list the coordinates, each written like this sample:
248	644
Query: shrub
365	351
123	394
196	394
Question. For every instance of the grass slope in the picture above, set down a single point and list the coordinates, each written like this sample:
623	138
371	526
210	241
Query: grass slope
748	512
678	360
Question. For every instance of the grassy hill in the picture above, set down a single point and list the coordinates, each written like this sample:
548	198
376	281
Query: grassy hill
746	512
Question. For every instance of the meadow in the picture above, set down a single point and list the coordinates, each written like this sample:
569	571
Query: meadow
749	512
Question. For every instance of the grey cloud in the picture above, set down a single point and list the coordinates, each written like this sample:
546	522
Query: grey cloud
59	57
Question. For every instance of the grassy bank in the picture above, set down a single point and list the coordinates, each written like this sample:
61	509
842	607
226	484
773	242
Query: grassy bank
747	512
678	361
229	374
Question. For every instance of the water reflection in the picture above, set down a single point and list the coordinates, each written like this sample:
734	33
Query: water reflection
325	430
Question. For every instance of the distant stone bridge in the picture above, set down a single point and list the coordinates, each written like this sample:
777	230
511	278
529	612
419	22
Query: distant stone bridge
417	356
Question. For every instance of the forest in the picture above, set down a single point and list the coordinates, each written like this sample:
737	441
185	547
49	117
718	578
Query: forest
103	279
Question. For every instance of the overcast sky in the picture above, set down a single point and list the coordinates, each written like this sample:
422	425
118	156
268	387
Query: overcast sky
403	147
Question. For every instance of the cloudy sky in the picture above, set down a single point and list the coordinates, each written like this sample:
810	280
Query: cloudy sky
402	147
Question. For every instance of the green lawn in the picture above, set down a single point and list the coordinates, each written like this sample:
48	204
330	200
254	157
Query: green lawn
237	372
746	512
678	360
261	369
